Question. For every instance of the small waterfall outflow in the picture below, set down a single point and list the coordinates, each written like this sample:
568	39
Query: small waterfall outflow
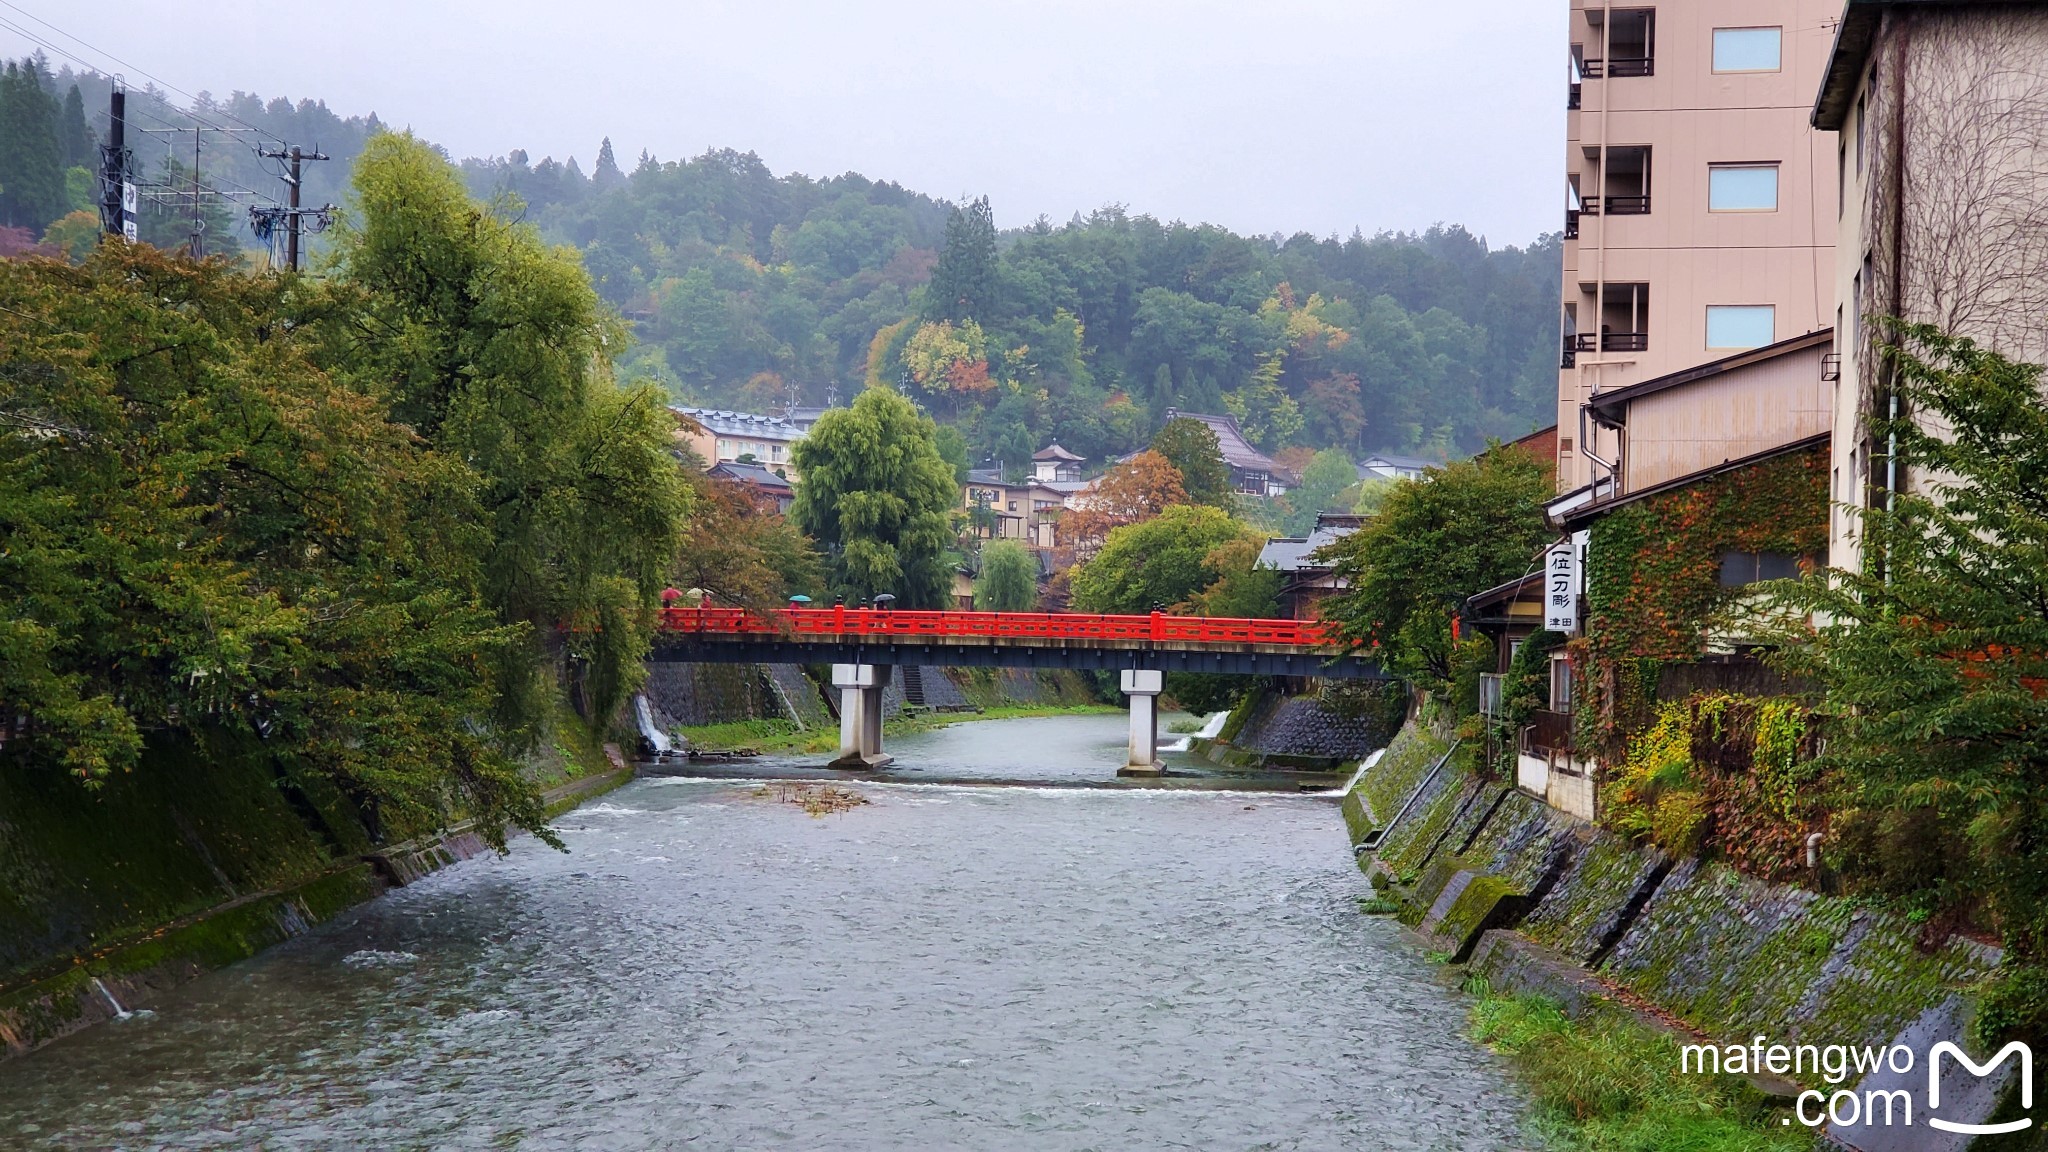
655	743
1364	766
120	1013
1211	728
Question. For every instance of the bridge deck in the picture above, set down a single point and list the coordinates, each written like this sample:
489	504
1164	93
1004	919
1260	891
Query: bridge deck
842	635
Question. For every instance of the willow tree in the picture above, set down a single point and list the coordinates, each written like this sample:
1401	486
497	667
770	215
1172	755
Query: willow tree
1009	578
878	498
495	349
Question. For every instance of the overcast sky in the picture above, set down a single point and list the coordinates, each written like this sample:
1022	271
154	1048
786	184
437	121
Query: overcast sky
1260	115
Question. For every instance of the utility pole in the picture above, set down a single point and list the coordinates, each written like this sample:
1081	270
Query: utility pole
293	213
198	226
117	195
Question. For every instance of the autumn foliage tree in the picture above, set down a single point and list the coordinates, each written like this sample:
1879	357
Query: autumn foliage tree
1133	491
742	552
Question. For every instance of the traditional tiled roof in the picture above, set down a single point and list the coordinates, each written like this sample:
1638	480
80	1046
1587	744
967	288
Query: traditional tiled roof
722	423
1297	554
756	474
1055	452
1237	451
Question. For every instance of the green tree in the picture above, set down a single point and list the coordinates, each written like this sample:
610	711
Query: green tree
74	235
1009	578
1192	448
1163	562
878	497
1268	415
1462	529
1329	473
231	537
74	136
1935	654
605	174
496	350
31	161
963	284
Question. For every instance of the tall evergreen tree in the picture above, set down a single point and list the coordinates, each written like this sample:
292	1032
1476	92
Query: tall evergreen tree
74	138
31	168
606	174
963	285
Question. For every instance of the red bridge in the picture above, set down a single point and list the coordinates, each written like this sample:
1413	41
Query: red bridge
1158	642
863	645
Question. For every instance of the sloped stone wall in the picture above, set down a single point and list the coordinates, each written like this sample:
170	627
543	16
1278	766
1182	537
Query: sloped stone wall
694	694
1313	726
1730	955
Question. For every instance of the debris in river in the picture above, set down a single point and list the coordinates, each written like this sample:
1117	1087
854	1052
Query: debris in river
816	799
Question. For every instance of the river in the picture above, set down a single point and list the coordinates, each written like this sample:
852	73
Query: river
948	966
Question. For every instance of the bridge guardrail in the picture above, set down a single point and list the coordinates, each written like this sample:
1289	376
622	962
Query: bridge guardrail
1157	627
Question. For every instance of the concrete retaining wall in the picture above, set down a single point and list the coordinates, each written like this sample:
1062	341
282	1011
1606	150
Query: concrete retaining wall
1731	956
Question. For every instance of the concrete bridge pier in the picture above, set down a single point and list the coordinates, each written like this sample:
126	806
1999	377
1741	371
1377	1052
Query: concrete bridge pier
1142	686
860	714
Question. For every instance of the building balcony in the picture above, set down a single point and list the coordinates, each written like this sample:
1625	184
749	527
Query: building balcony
1624	341
1621	67
1615	206
1581	342
1570	359
1571	100
1547	732
1571	225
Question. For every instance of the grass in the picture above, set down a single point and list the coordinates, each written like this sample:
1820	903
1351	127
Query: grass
1607	1083
782	735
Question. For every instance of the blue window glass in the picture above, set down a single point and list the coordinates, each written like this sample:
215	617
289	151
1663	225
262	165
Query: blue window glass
1748	49
1741	326
1743	188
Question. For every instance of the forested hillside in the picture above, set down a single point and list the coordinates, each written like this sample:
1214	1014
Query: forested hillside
751	290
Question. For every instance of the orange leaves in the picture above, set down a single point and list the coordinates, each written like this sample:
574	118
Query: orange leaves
1133	491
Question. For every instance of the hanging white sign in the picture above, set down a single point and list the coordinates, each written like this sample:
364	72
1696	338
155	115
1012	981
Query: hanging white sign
1561	588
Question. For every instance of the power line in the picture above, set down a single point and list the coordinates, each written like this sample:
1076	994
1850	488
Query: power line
108	55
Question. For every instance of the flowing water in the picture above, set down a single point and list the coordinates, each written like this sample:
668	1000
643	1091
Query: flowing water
949	966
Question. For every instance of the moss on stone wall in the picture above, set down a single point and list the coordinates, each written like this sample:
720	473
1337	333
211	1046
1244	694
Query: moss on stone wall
1730	955
193	826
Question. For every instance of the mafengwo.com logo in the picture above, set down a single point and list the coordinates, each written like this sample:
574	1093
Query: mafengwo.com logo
1883	1096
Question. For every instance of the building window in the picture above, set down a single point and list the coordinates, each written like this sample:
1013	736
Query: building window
1742	188
1743	568
1842	181
1560	684
1862	106
1748	49
1741	325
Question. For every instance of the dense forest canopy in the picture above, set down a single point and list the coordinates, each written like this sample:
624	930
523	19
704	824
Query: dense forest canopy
750	290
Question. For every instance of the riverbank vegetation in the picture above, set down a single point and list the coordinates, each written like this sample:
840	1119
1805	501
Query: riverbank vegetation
1609	1083
368	518
1463	529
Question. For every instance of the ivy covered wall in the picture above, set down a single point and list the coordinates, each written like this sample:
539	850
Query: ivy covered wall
1697	770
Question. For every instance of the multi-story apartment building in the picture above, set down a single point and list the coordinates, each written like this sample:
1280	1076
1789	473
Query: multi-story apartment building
718	437
1700	202
1936	117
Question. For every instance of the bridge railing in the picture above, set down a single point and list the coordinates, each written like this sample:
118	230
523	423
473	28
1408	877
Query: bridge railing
888	623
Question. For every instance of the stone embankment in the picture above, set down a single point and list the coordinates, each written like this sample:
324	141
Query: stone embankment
1323	732
1539	901
200	858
